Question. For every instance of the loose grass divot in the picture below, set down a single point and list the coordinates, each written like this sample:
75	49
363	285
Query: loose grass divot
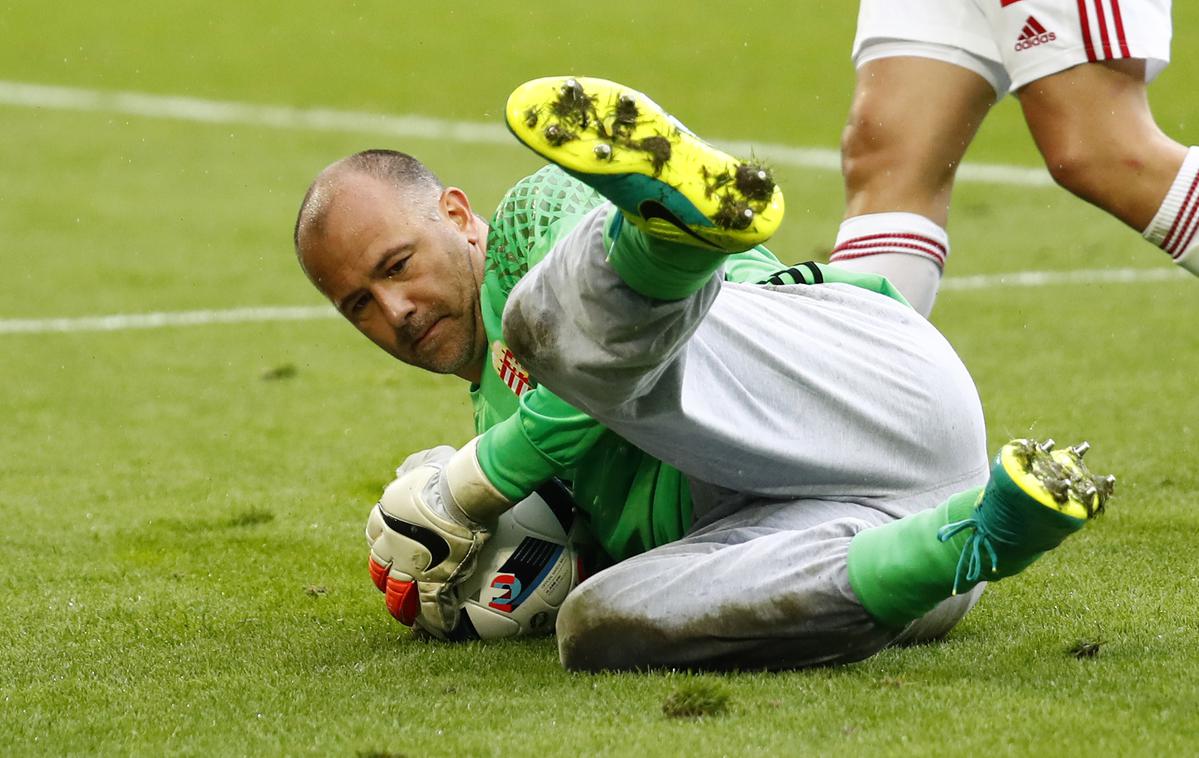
315	590
1086	648
286	371
696	699
250	517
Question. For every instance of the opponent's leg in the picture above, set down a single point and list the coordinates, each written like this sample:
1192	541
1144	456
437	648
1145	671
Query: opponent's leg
1093	125
911	121
909	125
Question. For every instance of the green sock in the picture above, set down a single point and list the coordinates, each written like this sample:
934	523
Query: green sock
900	571
656	268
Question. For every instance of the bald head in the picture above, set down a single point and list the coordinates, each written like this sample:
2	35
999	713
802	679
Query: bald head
411	178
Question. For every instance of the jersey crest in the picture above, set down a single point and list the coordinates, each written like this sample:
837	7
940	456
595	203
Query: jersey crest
509	369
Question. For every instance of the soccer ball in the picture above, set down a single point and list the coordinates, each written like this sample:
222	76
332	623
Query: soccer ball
524	571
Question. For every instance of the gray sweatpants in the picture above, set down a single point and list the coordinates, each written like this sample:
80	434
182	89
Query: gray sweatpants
801	414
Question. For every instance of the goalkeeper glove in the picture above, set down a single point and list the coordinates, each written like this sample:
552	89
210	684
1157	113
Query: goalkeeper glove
426	531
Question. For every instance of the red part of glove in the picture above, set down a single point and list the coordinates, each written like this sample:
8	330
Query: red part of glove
402	601
378	574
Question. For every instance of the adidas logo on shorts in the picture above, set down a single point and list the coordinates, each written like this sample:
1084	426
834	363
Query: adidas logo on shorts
1033	34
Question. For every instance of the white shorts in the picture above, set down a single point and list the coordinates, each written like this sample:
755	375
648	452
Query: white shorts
1013	42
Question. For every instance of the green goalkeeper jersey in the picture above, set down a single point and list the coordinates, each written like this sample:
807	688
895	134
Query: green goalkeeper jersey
633	502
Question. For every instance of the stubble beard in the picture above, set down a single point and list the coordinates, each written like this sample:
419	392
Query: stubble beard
456	351
462	347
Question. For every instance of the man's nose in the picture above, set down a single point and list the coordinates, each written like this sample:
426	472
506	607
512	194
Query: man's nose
396	305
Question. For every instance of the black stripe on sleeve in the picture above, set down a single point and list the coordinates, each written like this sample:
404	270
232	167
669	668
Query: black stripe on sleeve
817	274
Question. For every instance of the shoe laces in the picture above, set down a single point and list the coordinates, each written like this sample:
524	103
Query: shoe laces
972	552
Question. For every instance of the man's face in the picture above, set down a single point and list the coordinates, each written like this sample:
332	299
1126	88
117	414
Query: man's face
406	273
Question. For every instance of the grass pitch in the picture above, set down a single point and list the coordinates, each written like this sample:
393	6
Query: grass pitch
183	566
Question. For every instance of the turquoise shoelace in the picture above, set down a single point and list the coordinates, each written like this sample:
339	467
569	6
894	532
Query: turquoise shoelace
971	556
1014	521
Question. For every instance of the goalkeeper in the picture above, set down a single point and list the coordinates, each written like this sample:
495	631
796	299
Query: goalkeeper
787	465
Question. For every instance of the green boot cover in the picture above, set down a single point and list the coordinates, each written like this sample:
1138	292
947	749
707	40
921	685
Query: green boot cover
656	268
901	570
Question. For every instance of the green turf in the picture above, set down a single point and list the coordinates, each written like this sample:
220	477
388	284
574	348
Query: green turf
183	568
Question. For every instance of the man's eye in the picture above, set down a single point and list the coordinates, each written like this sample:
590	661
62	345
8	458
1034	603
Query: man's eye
397	267
358	305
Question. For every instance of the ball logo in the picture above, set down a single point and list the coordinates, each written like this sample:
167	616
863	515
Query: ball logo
509	587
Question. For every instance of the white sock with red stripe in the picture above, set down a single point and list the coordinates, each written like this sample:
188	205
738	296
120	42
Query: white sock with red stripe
1175	228
907	248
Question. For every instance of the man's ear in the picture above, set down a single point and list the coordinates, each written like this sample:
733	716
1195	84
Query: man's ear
455	206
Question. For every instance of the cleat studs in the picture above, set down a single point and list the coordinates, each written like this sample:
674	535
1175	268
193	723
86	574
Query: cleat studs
624	116
1048	445
1081	448
531	117
733	213
603	152
1059	489
572	105
754	181
557	136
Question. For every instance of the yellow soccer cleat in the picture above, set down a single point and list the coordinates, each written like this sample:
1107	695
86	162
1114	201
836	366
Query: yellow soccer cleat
666	181
1037	496
1057	479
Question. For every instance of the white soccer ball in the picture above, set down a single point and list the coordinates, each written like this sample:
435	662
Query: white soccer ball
524	571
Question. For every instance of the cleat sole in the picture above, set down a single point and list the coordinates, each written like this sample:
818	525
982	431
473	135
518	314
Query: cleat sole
668	182
1057	479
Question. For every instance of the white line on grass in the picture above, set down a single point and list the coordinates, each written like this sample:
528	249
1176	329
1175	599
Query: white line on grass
21	94
1047	278
123	321
126	321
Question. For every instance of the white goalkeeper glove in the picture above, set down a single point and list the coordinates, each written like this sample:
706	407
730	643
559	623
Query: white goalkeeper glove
426	531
